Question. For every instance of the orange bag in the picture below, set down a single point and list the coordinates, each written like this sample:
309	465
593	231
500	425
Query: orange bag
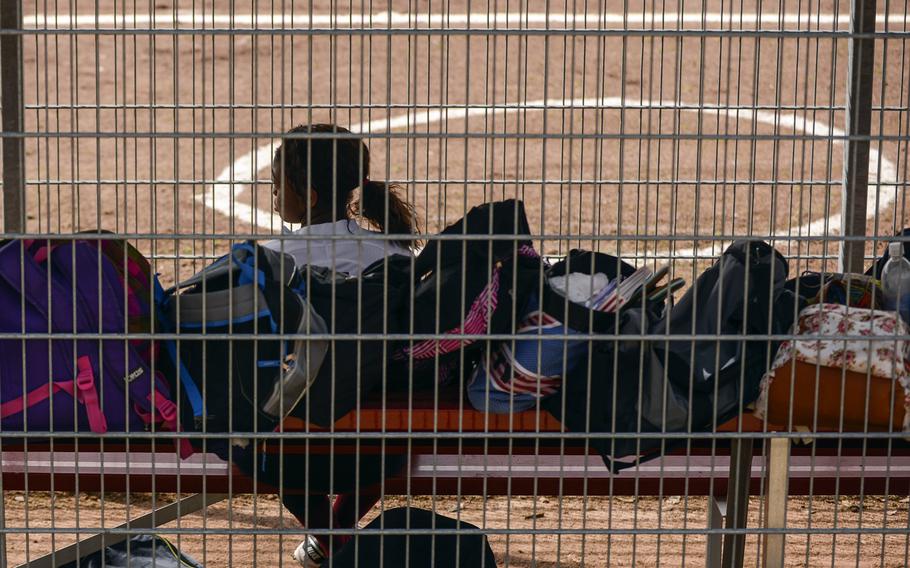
835	395
849	384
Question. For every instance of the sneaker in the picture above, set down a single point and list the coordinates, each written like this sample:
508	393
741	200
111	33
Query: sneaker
309	553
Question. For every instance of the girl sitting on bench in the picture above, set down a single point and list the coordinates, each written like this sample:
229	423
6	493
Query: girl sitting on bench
314	181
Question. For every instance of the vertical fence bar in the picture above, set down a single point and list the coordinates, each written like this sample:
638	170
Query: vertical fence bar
861	59
13	116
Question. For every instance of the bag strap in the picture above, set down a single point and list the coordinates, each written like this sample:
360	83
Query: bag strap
165	413
84	391
189	385
249	274
85	382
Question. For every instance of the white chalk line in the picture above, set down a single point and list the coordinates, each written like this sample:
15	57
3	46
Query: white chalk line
593	20
222	196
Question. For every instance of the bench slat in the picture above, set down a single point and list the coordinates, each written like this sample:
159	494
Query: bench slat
465	474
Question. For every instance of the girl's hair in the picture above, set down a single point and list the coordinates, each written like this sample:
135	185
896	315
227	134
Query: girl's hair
342	165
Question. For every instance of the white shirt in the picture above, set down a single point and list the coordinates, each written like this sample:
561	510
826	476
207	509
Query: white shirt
350	254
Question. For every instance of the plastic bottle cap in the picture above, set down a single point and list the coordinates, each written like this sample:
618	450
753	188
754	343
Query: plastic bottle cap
896	250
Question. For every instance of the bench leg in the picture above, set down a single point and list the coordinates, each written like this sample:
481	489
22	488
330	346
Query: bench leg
737	501
152	519
776	501
717	512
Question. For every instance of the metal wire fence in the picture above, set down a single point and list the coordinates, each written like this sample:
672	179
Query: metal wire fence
655	134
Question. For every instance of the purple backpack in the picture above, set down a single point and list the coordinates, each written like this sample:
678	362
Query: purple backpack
70	383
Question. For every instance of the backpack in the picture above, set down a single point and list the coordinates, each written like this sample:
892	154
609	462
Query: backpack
644	386
586	401
470	286
363	307
140	551
77	287
417	549
247	383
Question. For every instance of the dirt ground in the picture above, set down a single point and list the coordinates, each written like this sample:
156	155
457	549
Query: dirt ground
160	116
205	538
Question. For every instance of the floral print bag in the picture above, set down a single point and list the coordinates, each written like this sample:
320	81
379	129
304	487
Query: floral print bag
874	345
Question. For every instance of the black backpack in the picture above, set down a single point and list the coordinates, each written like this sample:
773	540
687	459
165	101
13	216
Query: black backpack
140	551
735	296
628	391
417	550
471	286
586	403
368	306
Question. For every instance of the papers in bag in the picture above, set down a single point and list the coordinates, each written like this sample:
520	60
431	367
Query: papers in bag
597	292
619	293
614	296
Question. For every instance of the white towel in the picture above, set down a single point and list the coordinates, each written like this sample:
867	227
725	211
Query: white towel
582	287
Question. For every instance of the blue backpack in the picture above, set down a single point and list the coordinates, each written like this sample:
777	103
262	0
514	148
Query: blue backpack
235	372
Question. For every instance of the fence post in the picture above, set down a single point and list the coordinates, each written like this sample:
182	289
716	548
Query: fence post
861	61
13	117
13	150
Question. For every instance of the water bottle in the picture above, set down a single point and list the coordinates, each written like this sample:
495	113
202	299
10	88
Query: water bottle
896	281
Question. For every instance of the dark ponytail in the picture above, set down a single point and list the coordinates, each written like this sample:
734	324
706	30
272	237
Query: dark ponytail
401	218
